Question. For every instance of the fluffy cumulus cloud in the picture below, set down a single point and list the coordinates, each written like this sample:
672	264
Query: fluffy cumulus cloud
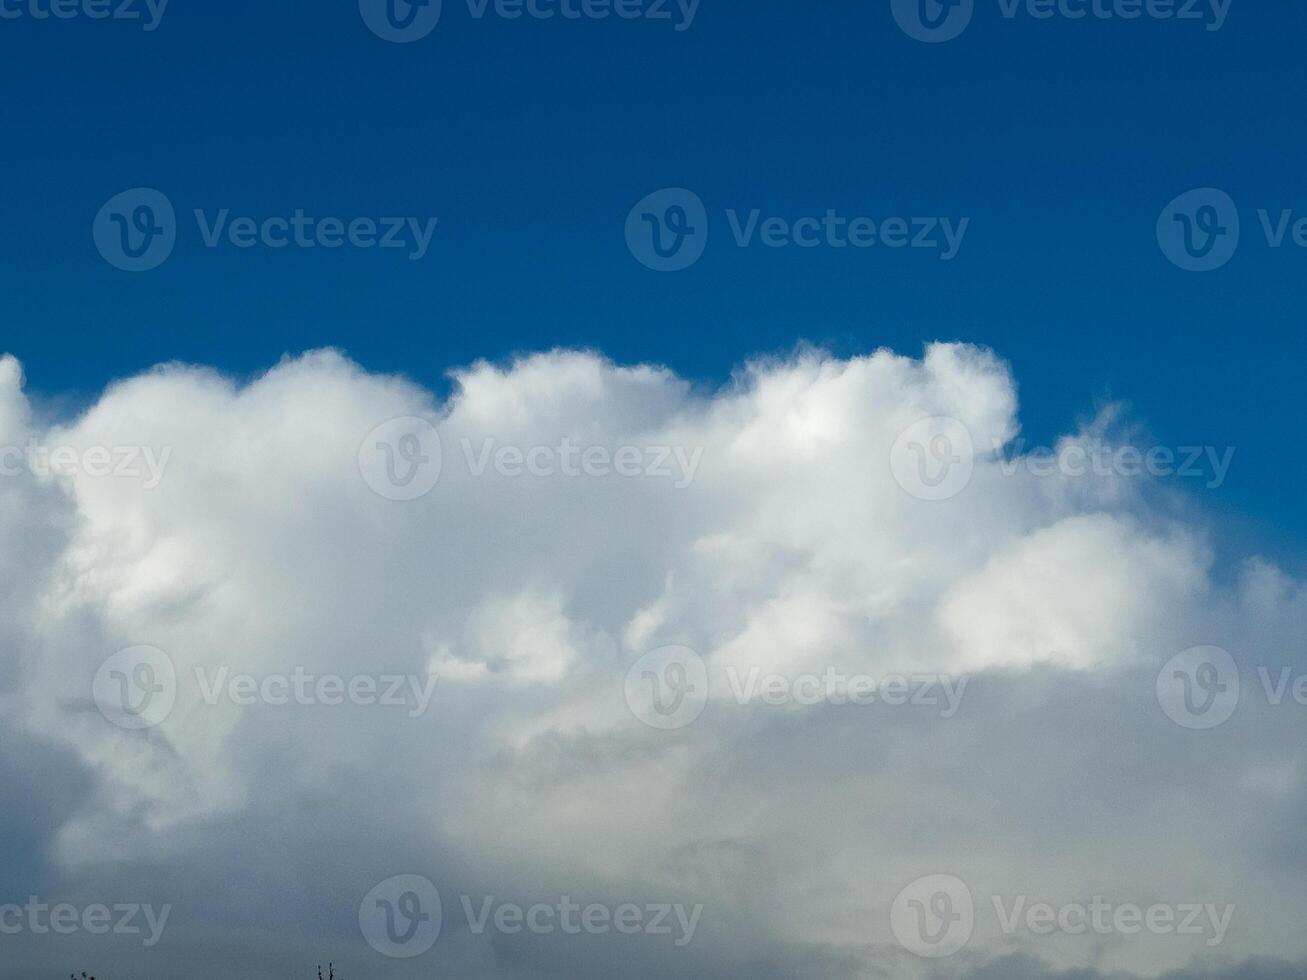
741	653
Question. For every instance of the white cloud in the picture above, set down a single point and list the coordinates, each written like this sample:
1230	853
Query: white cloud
793	549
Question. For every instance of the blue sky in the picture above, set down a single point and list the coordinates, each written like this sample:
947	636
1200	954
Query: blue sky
629	682
1061	140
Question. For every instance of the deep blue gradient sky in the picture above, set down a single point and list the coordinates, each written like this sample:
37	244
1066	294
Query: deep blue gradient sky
531	140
